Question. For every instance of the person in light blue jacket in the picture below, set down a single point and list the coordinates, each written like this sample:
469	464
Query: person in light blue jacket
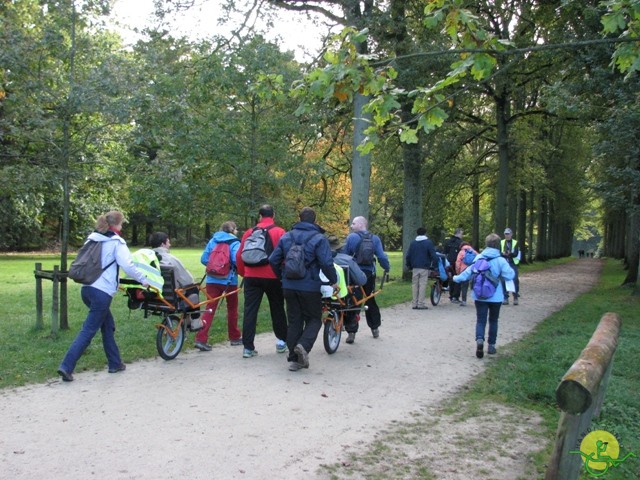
217	286
490	307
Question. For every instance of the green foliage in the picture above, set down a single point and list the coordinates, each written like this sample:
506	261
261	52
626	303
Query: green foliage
623	16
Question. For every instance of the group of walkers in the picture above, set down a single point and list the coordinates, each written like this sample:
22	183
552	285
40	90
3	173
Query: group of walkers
502	257
287	267
296	327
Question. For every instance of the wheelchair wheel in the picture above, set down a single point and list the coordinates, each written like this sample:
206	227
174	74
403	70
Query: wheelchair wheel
332	332
170	337
436	293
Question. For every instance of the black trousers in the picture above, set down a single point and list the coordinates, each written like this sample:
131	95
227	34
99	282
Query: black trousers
304	312
254	289
373	311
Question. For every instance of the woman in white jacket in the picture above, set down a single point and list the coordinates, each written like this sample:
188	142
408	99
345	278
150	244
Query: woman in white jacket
98	296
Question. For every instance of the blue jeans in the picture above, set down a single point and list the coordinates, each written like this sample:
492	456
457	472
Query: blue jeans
99	318
484	310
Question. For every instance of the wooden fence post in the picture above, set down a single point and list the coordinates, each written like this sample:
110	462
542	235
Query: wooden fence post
55	320
39	321
580	396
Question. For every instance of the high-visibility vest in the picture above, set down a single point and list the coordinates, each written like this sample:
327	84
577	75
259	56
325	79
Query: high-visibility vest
327	290
503	243
147	262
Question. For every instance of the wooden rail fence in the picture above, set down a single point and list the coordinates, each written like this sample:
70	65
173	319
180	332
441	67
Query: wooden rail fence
58	308
580	396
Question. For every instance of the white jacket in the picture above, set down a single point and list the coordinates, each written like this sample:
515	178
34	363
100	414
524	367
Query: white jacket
114	248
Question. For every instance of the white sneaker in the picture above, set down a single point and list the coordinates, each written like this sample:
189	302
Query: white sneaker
281	346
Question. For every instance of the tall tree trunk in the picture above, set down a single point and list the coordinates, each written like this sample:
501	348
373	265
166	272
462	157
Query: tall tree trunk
412	205
521	226
361	164
502	112
541	249
475	208
532	217
632	252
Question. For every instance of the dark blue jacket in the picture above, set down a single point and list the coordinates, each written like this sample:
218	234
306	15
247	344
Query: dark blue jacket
421	254
351	248
317	255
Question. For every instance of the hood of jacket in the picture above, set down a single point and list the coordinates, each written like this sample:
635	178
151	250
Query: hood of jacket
221	236
490	253
309	227
100	237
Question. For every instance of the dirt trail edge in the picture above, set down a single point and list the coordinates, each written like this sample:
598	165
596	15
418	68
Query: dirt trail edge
215	415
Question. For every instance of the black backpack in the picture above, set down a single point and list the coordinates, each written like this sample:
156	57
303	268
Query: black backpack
295	265
365	251
87	266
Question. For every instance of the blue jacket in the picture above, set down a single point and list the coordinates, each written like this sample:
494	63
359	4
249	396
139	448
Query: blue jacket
351	248
317	254
499	267
421	254
218	237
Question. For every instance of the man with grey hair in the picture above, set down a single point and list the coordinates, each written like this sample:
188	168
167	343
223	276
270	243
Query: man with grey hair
366	248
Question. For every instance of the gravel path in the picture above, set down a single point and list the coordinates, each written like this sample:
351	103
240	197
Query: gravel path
215	415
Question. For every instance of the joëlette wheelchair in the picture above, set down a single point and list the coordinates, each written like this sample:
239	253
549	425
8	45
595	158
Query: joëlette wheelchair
172	305
335	308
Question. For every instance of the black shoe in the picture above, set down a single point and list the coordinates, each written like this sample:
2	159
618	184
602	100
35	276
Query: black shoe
375	332
351	337
66	376
479	348
119	368
203	347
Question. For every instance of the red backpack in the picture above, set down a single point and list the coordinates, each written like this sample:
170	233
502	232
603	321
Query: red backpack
219	264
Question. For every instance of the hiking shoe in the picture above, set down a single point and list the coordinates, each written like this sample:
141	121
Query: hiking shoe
463	303
281	346
236	342
479	348
66	376
505	301
515	301
246	353
375	332
303	356
203	347
294	366
120	368
491	350
351	337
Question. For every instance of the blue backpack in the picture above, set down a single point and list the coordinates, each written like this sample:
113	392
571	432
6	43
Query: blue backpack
469	256
443	263
484	282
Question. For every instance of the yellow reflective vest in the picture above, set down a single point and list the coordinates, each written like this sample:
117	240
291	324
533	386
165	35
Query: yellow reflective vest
147	262
514	249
